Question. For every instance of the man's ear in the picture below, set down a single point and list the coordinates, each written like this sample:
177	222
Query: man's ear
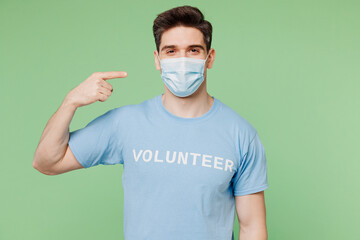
211	58
157	63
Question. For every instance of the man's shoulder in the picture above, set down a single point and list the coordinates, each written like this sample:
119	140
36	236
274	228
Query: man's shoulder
236	121
232	115
129	110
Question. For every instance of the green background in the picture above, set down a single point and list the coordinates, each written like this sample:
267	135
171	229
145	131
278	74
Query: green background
291	68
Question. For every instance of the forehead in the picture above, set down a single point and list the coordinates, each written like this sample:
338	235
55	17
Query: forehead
182	36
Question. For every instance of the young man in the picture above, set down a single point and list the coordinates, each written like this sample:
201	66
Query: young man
189	160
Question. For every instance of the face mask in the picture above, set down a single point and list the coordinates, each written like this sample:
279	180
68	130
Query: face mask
183	75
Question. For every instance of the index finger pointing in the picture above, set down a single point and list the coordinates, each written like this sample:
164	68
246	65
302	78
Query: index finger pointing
112	74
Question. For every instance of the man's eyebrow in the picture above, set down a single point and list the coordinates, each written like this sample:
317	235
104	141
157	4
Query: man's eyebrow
197	45
190	46
167	46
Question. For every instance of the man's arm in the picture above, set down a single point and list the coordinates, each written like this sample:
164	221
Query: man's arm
251	214
53	155
53	142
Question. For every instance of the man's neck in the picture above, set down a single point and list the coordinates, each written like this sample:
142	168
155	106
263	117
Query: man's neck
192	106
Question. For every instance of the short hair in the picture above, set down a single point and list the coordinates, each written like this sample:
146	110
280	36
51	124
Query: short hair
187	16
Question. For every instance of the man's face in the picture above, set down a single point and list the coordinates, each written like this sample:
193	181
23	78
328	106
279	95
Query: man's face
183	42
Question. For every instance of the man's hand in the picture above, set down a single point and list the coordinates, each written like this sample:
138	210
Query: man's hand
94	88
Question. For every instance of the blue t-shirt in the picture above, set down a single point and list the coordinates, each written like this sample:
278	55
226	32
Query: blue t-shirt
180	175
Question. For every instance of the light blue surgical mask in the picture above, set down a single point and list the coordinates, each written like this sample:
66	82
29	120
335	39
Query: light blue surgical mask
183	75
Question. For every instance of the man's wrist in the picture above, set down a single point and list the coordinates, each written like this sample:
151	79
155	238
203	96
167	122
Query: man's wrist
69	103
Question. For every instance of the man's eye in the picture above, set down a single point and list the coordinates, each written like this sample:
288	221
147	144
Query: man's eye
194	50
170	51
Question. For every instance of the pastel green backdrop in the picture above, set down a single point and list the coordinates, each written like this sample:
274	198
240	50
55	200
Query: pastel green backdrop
291	68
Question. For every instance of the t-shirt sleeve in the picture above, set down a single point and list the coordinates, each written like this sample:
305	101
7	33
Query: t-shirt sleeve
251	175
97	142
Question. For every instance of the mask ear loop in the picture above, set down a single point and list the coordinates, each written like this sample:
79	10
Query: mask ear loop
159	60
206	57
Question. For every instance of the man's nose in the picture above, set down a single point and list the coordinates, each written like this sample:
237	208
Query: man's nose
182	53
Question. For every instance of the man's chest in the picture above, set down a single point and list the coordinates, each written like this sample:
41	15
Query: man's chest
197	157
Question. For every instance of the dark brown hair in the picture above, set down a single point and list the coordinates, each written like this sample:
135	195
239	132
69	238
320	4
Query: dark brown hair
182	16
